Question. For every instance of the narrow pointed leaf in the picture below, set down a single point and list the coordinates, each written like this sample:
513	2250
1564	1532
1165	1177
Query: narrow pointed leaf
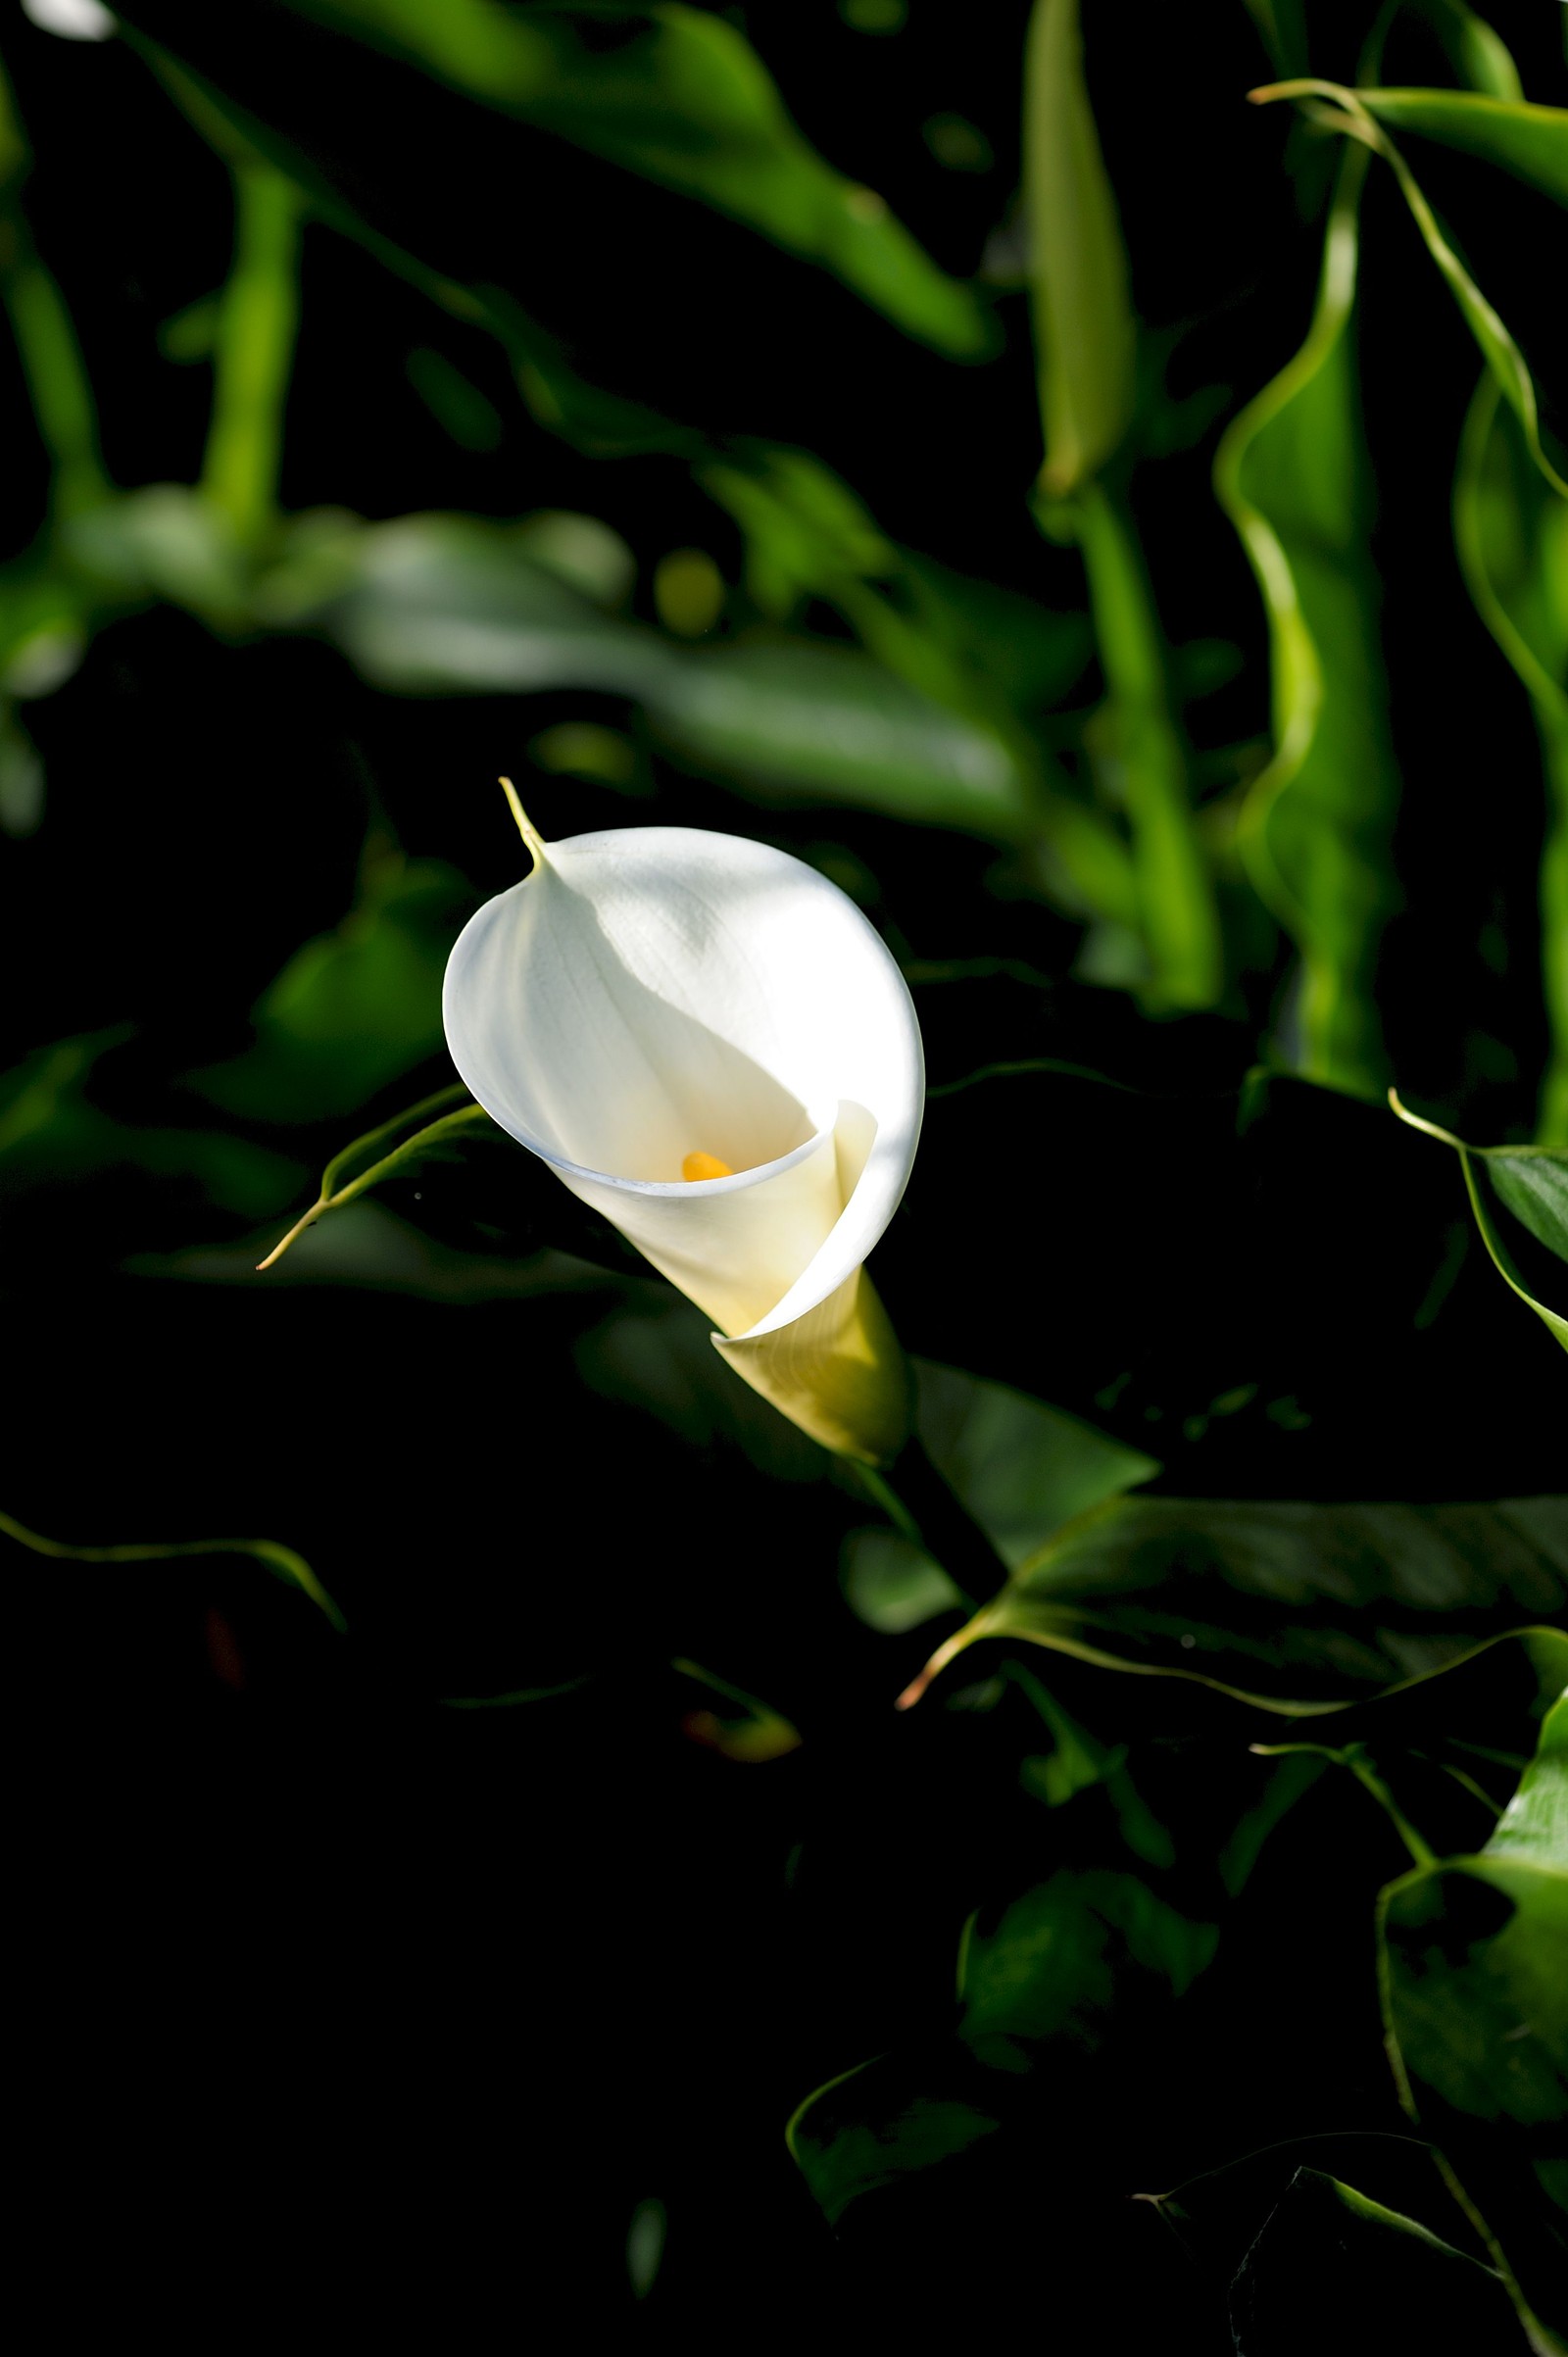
1294	475
1511	531
1498	347
675	95
1530	142
1084	328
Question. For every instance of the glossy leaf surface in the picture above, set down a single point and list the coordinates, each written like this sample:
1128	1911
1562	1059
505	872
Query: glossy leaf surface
1301	1608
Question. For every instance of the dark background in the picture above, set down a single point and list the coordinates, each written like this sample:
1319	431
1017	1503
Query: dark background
360	2015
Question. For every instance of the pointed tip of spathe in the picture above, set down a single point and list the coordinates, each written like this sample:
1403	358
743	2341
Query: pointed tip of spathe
525	826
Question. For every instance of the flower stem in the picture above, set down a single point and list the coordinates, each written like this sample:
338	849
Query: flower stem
924	1509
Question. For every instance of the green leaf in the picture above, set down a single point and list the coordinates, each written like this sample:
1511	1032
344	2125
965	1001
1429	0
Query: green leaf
673	95
371	1158
1530	142
1352	114
1297	1607
1477	2015
809	723
1532	1181
353	1009
889	2120
1335	2270
1480	57
1021	1468
435	604
54	1138
1044	1976
1018	1467
1511	531
281	1561
1534	1823
1475	2002
1316	831
1058	1961
1084	329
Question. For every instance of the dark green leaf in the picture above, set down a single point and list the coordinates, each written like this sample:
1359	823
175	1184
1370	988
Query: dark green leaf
1019	1468
353	1010
54	1137
1301	1608
1054	1962
888	2120
1476	2006
1334	2270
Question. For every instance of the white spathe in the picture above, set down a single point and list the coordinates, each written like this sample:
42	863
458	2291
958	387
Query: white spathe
655	991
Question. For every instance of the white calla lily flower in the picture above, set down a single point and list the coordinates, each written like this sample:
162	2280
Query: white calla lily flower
710	1044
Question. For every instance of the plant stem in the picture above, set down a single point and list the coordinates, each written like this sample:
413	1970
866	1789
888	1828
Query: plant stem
923	1510
253	353
46	338
1177	908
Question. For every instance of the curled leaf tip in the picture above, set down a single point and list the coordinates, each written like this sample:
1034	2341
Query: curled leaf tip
525	827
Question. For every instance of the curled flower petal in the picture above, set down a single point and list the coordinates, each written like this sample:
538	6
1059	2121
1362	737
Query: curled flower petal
654	995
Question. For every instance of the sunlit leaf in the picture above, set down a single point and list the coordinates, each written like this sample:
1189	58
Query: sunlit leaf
1020	1467
1334	2268
1300	1608
1084	331
1086	341
1530	142
1511	531
1477	52
828	723
1534	1824
671	94
1317	827
1536	148
437	604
